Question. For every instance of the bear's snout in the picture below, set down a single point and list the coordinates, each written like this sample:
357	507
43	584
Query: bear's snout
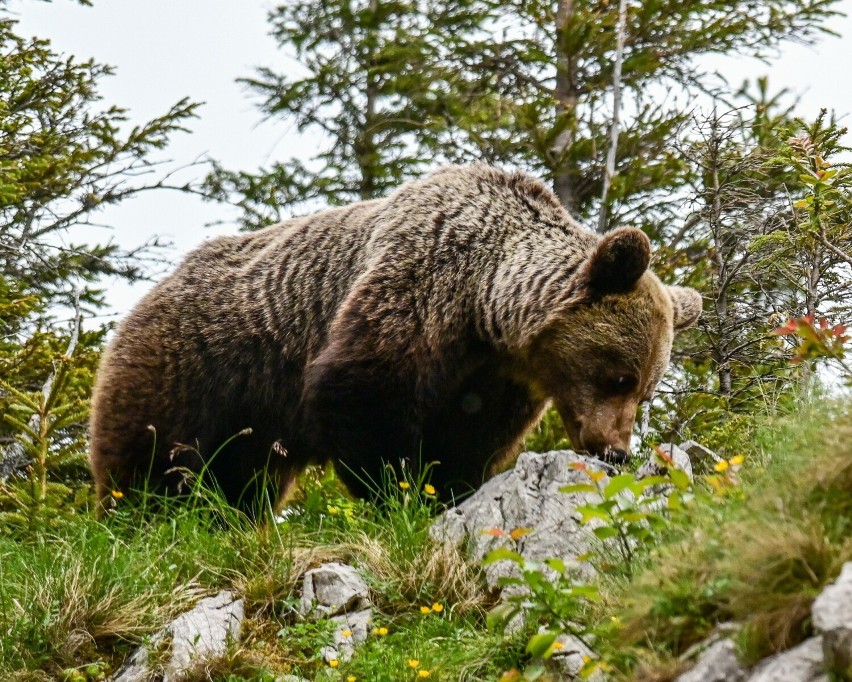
604	432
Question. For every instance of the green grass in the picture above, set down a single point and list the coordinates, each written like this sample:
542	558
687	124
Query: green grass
757	557
82	592
81	589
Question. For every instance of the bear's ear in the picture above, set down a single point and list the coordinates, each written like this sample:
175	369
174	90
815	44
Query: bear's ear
687	306
619	260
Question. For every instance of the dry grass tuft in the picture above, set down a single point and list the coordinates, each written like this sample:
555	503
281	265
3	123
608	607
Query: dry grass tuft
273	578
440	572
760	562
776	574
30	676
654	668
87	612
241	661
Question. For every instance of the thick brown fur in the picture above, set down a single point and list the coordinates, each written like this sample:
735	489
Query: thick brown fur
433	325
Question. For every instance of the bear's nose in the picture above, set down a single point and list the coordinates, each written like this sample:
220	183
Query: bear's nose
615	456
606	448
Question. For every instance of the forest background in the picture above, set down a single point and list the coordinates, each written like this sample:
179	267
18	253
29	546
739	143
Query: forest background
741	198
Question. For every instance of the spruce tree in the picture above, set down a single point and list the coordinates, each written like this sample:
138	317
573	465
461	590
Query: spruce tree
64	156
374	89
549	73
395	88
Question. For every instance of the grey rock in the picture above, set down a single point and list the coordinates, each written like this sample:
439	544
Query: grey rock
833	607
357	624
329	653
703	458
832	616
136	668
724	630
333	589
197	635
13	462
569	660
527	496
803	663
718	663
206	630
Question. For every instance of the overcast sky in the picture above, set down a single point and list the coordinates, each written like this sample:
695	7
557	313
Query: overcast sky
164	50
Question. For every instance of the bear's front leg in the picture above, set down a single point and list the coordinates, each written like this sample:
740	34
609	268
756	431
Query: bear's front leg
476	427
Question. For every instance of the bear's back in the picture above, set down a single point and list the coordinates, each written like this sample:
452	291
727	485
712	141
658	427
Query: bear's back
278	287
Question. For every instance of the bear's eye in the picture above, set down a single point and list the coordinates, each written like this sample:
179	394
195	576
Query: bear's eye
623	384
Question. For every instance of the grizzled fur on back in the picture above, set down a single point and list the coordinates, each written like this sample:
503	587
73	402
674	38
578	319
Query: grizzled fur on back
392	329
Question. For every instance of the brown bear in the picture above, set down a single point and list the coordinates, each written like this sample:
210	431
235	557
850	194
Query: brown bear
433	325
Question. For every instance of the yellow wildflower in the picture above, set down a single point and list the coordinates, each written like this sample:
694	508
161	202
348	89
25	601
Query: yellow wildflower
413	663
424	673
596	475
722	466
558	645
351	678
380	632
334	663
405	485
117	494
425	609
333	510
346	633
429	489
437	608
737	460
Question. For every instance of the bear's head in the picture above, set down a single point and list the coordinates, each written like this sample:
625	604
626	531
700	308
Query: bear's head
602	353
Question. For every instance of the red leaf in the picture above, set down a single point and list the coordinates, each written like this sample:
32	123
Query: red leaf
666	457
788	328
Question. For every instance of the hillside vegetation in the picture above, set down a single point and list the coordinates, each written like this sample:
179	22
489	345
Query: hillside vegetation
79	593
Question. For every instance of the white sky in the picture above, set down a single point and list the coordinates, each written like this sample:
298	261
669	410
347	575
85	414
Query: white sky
164	50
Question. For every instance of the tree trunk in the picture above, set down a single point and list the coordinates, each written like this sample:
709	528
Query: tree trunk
609	171
367	151
366	146
721	248
564	171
